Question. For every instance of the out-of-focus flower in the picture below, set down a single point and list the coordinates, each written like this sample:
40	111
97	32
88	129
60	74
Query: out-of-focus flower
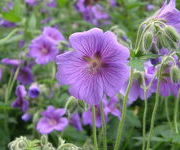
75	120
43	50
20	101
87	117
52	120
53	34
12	62
34	91
150	7
26	117
112	3
110	107
31	2
51	3
92	13
96	67
25	75
6	24
137	90
170	14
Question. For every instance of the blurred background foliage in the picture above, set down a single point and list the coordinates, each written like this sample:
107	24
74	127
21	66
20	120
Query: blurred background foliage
127	16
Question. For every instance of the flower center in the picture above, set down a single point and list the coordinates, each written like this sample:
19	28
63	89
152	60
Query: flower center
52	122
44	51
94	63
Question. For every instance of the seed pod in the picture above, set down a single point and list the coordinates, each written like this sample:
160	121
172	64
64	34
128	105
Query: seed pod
147	41
175	74
172	34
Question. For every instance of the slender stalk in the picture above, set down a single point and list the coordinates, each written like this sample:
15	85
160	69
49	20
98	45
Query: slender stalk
94	127
167	112
144	120
121	123
103	126
155	109
176	112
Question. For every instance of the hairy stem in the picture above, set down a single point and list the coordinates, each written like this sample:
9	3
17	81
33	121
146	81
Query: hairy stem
167	112
176	112
103	126
94	127
121	123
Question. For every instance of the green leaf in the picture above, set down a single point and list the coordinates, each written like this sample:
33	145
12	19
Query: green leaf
132	119
137	64
62	3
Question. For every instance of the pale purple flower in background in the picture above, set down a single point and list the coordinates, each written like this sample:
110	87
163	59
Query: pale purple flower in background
96	67
75	121
170	14
46	20
25	75
34	91
43	50
137	90
26	117
6	24
20	101
150	7
53	34
31	2
112	3
12	62
87	117
51	3
52	119
111	107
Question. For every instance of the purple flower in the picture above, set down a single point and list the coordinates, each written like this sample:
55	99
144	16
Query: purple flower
96	67
87	117
150	7
53	34
20	102
112	3
12	62
51	3
6	24
76	121
25	75
43	50
26	117
52	120
111	107
34	91
31	2
137	90
170	14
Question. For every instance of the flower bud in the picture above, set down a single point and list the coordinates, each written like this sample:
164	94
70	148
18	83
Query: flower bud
175	74
18	143
147	40
33	91
44	139
172	34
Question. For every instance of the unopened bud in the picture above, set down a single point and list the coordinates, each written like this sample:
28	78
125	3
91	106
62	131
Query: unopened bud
172	34
18	143
148	41
175	74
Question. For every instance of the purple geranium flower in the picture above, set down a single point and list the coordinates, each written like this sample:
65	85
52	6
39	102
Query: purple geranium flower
43	50
53	34
31	2
112	3
25	75
26	117
34	91
111	107
170	14
75	120
96	67
137	90
12	62
150	7
52	120
20	101
87	117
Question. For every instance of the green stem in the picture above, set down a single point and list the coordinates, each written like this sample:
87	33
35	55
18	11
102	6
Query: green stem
167	112
94	127
103	126
121	123
144	120
155	109
176	112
